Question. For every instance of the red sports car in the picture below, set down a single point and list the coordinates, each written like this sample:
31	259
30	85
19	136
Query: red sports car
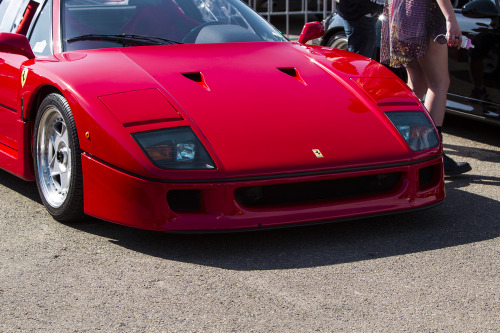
199	115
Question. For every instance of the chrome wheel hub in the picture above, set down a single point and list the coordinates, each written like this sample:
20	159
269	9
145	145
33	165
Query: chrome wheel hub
53	154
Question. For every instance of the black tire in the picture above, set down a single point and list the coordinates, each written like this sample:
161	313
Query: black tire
338	41
57	160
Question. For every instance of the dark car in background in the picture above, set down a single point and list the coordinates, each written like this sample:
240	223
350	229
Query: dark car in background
474	73
293	5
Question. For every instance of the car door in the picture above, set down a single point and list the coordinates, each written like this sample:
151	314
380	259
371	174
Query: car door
475	73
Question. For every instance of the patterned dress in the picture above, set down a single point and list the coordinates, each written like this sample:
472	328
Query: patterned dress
407	29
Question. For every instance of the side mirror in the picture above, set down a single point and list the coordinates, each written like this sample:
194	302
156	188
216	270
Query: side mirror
311	30
16	44
480	9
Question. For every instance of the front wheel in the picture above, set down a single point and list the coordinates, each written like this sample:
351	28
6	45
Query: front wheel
57	161
338	41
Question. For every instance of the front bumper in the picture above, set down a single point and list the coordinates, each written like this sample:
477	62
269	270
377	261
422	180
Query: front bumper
232	204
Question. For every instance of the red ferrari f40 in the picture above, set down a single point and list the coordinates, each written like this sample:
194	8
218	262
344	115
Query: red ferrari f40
198	115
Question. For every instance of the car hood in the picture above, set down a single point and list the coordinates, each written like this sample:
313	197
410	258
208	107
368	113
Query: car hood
273	107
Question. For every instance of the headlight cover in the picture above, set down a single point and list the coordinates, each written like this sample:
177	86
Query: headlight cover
175	149
416	129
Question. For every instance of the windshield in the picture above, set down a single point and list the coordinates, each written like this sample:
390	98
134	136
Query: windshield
110	23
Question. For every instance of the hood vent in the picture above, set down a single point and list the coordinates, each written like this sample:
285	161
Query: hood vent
196	77
293	73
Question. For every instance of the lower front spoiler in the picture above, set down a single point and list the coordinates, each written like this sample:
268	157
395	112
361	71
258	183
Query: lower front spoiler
119	197
302	224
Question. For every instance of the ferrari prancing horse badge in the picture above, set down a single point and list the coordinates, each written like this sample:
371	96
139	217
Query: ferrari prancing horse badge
317	153
24	75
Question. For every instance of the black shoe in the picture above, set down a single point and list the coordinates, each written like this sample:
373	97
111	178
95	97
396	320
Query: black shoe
452	168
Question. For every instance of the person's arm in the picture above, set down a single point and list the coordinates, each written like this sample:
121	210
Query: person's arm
453	32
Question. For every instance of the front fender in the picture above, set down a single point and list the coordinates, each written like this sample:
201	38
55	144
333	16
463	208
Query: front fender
99	132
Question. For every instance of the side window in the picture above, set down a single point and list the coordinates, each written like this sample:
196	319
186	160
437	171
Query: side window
41	35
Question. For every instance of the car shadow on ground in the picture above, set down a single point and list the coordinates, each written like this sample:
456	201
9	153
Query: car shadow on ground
25	188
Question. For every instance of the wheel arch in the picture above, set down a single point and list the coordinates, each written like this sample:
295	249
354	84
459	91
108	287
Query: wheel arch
329	33
37	98
29	117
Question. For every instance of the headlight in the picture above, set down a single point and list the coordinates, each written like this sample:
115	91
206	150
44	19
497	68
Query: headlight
416	129
175	149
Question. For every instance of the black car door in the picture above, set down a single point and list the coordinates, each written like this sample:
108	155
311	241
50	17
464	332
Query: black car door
475	72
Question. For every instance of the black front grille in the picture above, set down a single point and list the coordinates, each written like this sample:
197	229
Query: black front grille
310	192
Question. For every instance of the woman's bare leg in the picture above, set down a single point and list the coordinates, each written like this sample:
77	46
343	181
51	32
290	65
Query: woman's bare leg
417	80
430	76
434	64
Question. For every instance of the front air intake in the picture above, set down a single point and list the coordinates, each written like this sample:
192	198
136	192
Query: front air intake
196	77
318	191
292	72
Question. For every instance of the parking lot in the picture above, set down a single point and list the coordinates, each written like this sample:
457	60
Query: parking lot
428	271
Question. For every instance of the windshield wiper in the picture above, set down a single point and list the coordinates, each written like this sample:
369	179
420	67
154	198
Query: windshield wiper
125	39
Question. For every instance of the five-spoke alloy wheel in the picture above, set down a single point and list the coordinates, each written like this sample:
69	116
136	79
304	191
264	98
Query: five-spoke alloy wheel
57	161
